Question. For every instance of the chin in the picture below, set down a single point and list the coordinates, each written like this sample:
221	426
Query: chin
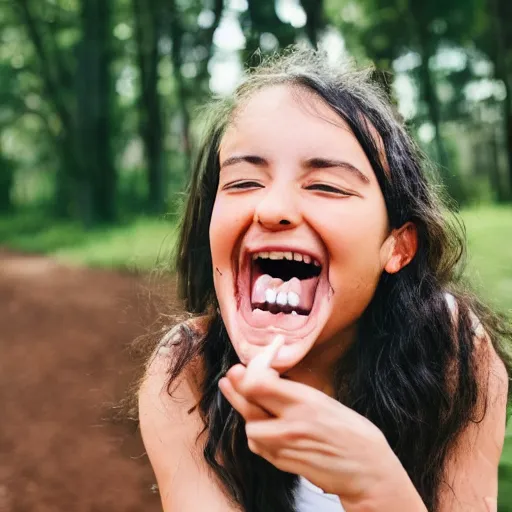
276	290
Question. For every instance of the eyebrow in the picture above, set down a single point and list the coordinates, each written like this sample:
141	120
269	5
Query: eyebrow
311	163
325	163
251	159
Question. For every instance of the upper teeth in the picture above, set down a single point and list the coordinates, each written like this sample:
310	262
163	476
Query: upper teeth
286	255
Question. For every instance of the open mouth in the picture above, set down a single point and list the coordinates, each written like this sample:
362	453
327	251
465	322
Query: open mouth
280	289
283	282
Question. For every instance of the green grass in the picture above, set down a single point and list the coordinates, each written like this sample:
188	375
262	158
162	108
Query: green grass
146	242
139	245
489	232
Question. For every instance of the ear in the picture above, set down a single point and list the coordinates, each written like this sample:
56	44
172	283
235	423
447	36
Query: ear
400	247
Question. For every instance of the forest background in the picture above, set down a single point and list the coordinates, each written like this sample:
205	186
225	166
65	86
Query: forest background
100	114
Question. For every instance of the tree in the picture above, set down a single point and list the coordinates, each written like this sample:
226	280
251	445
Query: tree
148	31
500	50
389	29
259	18
315	19
94	102
77	85
6	182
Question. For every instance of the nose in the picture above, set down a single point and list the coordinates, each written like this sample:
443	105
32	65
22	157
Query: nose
277	209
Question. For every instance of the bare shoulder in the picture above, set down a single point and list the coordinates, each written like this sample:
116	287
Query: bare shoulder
172	435
160	412
160	361
472	466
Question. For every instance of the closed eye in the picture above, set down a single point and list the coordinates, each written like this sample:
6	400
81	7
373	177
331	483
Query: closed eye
322	187
242	185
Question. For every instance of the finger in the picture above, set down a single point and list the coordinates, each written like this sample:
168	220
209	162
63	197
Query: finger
249	411
236	373
270	431
278	435
261	364
285	459
255	392
265	358
276	394
261	393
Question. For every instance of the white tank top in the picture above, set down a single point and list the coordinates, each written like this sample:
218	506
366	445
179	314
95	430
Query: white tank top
311	498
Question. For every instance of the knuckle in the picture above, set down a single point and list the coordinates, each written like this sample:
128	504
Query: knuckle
373	433
297	429
302	411
255	387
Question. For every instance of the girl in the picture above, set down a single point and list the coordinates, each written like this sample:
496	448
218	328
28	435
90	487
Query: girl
331	363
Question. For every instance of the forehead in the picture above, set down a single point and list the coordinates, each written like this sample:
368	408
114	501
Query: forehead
288	117
286	98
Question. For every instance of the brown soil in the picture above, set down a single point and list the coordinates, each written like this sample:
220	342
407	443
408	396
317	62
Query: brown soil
64	365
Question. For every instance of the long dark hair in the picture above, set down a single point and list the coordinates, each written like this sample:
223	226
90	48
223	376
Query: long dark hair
412	369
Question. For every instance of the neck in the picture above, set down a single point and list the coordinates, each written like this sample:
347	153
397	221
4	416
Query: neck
317	368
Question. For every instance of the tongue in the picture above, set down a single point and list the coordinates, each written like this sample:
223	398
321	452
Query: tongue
305	289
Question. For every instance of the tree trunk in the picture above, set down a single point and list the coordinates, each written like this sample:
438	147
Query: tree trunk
418	17
176	32
508	115
97	176
86	181
51	69
503	73
452	181
261	17
148	29
430	98
494	171
64	205
6	184
206	39
315	20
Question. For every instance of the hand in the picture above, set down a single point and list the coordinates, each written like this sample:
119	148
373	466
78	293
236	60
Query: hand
303	431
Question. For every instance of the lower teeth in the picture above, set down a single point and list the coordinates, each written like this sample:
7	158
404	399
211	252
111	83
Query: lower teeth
276	309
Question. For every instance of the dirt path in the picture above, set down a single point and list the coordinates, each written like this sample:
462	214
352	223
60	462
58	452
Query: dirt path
63	364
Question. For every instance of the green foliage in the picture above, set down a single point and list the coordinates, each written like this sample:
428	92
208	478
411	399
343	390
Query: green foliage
78	94
138	245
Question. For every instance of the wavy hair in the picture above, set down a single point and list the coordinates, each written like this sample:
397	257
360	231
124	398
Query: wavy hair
412	370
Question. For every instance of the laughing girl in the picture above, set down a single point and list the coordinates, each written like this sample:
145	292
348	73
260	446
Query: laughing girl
331	362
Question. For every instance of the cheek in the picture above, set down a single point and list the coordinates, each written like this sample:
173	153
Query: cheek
356	248
219	237
226	226
354	233
353	237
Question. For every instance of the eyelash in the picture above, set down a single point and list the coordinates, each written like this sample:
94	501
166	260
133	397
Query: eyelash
242	185
321	187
